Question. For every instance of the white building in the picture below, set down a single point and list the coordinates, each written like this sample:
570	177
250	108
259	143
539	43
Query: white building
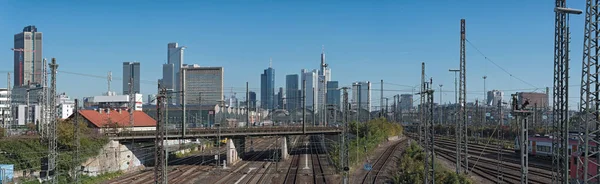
312	88
5	107
113	102
64	106
361	95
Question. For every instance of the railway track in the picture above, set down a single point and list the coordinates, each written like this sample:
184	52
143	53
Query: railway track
318	174
292	173
242	170
375	172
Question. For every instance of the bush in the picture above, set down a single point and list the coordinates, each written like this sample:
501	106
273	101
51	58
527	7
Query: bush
369	135
411	167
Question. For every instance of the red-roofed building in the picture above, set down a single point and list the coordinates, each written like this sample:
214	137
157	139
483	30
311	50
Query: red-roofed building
116	120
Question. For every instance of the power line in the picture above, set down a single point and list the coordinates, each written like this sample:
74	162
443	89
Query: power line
505	71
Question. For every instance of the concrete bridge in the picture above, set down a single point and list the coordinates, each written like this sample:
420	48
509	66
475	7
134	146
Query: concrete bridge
226	132
235	146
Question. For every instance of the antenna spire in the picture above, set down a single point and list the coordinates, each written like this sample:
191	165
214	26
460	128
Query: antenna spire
270	61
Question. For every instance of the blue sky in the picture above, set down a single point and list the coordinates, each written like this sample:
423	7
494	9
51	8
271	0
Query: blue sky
365	40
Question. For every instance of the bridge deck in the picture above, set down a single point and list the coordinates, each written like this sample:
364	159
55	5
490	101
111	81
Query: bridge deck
227	132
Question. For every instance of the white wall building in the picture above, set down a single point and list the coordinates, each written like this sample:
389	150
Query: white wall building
114	102
64	106
5	107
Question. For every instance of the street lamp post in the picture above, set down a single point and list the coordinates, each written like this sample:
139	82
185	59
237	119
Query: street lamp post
456	123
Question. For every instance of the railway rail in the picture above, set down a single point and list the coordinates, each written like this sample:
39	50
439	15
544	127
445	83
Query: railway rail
374	174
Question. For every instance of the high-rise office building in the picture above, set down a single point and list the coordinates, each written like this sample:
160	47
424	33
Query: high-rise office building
28	57
131	70
493	97
171	70
312	88
203	85
361	95
280	99
291	92
324	76
333	94
252	97
267	88
406	102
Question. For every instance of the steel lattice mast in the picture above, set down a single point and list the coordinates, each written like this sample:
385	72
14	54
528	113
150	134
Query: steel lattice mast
462	97
159	155
429	170
52	125
560	162
589	122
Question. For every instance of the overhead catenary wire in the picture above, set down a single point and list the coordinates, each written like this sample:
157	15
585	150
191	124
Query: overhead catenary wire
500	67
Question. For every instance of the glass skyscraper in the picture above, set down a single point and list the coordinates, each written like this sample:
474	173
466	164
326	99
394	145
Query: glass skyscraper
291	90
267	88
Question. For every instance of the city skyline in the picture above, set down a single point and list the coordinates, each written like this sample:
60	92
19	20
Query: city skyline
396	56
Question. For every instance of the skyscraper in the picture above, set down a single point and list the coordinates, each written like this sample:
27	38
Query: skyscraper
28	57
171	71
362	97
267	88
312	82
131	70
406	102
291	92
252	97
203	85
333	94
280	99
493	97
324	76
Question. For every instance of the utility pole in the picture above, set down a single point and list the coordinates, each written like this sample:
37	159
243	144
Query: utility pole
345	142
368	102
429	176
485	103
159	154
421	109
303	106
500	137
77	143
440	106
560	159
131	103
247	106
381	100
522	118
462	99
183	102
457	128
52	148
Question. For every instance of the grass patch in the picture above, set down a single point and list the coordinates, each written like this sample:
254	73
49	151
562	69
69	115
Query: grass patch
411	168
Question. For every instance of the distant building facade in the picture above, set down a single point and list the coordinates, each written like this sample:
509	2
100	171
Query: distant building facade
281	99
311	88
203	85
539	99
406	102
28	66
252	97
333	94
361	94
267	89
131	70
493	97
291	92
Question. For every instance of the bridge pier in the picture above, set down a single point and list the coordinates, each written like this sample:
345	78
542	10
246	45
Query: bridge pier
284	148
232	153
